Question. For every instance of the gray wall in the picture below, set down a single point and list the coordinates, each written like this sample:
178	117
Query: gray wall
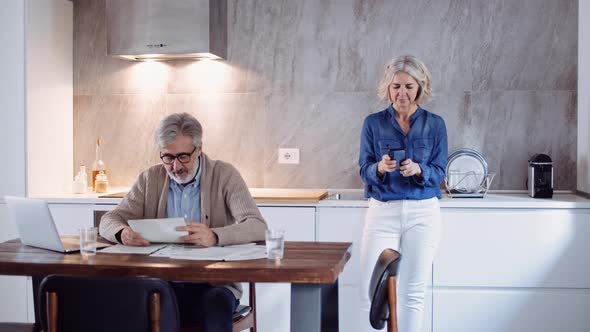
303	74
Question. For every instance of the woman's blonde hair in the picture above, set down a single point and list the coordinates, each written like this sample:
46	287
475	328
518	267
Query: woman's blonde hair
412	66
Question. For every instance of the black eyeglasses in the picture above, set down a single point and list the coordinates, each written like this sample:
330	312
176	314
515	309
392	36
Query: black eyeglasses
183	158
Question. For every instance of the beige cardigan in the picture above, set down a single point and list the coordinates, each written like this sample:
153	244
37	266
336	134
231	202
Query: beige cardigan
226	205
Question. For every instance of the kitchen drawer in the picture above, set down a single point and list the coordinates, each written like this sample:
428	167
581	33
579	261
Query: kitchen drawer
297	222
344	225
273	307
511	310
514	248
99	210
352	320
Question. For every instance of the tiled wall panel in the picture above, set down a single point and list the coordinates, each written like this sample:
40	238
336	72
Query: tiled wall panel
303	74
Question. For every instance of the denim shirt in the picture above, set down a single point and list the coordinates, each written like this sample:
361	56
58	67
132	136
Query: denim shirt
185	201
425	144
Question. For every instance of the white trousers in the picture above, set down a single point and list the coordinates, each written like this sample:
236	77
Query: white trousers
413	228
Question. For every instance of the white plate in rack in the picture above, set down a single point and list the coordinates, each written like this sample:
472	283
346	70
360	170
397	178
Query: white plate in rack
469	170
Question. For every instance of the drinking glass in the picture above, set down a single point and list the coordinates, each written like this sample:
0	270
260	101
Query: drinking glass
275	243
88	241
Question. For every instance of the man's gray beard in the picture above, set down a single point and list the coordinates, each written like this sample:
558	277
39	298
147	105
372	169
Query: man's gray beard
189	178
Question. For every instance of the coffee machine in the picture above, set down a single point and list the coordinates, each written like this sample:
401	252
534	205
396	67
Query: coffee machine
540	179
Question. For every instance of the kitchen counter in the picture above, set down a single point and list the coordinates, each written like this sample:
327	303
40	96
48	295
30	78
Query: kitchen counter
87	198
263	196
566	200
354	198
497	199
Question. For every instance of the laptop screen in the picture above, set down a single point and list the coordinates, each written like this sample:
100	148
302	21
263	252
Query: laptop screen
34	223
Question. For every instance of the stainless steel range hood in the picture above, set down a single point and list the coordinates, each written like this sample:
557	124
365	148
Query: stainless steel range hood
166	29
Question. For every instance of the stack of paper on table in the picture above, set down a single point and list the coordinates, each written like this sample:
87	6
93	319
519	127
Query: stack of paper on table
178	251
228	253
122	249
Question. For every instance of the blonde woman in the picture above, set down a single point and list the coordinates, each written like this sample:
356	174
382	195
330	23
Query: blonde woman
403	157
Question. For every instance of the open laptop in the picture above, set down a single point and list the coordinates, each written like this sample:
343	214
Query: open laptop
36	227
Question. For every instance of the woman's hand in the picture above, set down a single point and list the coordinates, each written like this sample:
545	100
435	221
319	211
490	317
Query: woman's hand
131	238
198	233
410	168
386	165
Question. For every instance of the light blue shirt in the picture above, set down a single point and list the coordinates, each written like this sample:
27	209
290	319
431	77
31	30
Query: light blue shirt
185	201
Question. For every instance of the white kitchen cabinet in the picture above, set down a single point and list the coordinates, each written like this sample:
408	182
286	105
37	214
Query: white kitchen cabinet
511	310
513	270
514	248
36	107
36	96
49	96
350	317
349	314
298	222
345	224
15	304
12	101
273	299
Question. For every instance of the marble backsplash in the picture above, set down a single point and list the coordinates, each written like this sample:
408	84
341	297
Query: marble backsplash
303	74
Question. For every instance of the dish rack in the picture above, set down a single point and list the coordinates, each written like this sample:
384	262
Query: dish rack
461	184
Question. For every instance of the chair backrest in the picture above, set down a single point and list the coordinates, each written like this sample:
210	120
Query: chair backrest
386	266
108	304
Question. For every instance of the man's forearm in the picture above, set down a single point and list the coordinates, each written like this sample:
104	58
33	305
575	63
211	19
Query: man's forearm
111	225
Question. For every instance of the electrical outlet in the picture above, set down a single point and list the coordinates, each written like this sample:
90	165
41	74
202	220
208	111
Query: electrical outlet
288	156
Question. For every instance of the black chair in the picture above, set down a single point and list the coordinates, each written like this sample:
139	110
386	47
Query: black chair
382	291
74	304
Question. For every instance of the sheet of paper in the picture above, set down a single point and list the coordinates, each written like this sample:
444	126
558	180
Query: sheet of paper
121	249
174	249
256	252
159	230
228	253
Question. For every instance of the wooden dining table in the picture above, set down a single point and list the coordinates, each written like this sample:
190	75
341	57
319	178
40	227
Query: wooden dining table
312	269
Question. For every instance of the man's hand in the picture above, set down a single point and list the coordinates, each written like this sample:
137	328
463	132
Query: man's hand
198	233
131	238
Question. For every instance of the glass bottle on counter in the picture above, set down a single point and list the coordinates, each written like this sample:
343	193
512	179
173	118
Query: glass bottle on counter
81	180
101	182
98	165
82	173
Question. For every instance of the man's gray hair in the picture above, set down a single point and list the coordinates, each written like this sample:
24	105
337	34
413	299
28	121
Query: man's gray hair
178	124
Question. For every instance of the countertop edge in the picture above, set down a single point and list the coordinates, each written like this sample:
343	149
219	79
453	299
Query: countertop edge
492	201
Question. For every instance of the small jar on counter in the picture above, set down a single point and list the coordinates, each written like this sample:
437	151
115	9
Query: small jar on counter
101	182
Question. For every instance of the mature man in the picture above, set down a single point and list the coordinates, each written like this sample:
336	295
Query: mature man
213	198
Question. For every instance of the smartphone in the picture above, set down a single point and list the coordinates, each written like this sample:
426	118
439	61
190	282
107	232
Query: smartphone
398	155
